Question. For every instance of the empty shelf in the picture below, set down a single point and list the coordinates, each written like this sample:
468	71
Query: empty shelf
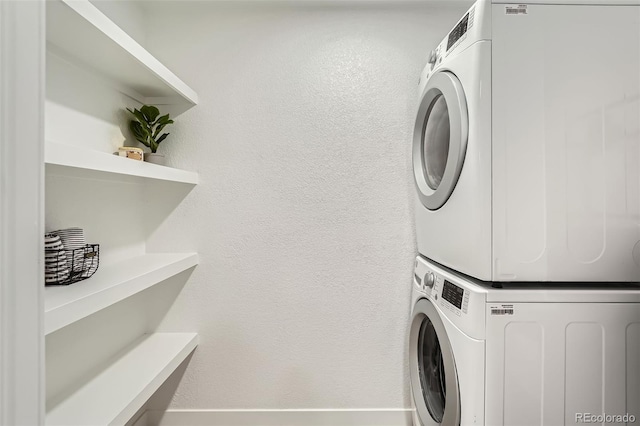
120	390
80	32
110	284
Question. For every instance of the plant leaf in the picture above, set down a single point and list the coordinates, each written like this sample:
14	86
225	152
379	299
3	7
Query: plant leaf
159	129
159	120
161	138
136	129
147	131
141	134
164	119
140	117
150	112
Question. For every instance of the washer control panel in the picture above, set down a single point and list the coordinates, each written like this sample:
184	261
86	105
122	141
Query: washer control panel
452	294
444	292
458	298
454	297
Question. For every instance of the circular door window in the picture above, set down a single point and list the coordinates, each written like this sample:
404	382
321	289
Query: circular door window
440	139
434	382
431	370
436	141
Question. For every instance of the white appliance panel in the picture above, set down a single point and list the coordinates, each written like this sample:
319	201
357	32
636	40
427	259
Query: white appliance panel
541	359
549	190
458	234
548	362
469	361
633	369
566	143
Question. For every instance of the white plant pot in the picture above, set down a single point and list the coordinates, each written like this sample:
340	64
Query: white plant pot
154	158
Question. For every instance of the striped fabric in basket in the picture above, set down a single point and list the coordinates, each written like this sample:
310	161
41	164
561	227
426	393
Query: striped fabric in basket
56	266
73	238
68	259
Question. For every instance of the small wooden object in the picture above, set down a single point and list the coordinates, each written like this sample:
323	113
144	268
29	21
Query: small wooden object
131	152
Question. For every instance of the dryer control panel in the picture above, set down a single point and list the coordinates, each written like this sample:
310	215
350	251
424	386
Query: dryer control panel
474	26
460	30
453	40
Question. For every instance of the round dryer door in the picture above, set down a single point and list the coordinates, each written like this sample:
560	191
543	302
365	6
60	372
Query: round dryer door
440	139
434	382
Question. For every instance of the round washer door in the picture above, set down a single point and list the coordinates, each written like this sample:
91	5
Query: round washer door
434	381
440	139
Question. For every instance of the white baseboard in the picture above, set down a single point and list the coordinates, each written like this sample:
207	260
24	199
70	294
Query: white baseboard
318	417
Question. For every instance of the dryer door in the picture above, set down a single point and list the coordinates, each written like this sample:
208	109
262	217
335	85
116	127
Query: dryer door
440	139
434	380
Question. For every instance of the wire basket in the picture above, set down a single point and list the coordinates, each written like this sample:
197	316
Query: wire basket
64	267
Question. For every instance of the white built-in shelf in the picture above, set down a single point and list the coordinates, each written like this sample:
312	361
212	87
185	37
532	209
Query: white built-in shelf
79	32
119	391
81	162
64	305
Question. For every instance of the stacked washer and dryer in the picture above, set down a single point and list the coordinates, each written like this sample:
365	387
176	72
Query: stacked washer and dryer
526	155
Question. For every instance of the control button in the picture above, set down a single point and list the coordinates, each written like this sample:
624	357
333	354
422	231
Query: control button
429	279
432	57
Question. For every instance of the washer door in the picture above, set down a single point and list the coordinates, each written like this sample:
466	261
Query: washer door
440	139
434	381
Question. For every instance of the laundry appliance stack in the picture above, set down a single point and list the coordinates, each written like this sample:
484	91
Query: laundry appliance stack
526	158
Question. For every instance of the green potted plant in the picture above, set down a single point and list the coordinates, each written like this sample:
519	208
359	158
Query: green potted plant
146	128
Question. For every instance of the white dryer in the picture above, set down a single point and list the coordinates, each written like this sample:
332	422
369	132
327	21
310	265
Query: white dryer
524	355
526	147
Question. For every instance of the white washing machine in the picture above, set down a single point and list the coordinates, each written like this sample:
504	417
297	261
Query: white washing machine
522	354
526	147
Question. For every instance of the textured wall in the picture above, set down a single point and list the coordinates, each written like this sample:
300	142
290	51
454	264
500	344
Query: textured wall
303	218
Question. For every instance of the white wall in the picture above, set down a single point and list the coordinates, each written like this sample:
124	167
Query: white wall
303	218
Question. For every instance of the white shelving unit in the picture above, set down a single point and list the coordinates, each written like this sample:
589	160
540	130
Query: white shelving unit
90	44
64	305
81	33
118	392
79	162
